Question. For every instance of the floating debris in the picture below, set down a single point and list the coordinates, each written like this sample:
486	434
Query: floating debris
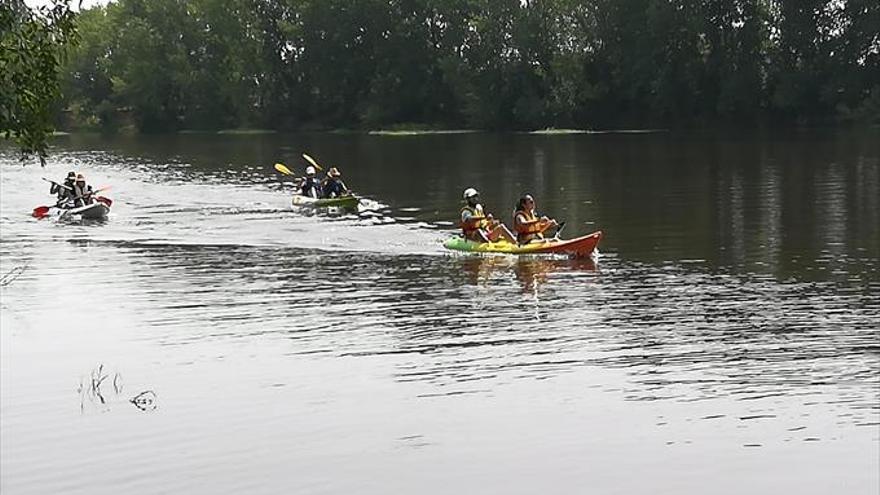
145	401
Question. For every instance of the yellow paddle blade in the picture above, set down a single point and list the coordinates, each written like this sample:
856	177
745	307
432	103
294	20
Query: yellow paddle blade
281	168
313	162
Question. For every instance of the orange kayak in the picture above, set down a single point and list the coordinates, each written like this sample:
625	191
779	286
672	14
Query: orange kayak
577	247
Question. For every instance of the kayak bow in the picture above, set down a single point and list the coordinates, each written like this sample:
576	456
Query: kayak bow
577	247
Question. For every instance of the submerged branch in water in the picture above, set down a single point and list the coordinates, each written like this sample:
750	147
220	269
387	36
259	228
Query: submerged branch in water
91	390
13	274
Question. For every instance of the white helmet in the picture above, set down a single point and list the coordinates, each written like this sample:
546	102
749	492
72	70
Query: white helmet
470	192
310	170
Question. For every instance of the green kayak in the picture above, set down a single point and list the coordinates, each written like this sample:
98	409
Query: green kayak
349	202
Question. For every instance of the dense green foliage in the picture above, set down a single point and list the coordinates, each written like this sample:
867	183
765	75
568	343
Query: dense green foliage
497	64
31	51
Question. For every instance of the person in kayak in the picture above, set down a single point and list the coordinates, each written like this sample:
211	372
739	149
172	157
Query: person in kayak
62	191
529	228
333	185
310	185
82	193
476	225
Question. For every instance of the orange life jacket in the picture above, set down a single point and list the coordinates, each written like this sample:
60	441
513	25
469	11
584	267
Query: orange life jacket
528	230
476	222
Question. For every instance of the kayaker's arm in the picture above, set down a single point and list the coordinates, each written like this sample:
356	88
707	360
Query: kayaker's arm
491	222
472	221
56	187
548	222
538	225
481	221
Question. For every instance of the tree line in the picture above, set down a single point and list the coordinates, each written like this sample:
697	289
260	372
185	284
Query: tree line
163	65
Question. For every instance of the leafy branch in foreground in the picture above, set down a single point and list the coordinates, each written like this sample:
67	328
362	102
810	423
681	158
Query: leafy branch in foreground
32	45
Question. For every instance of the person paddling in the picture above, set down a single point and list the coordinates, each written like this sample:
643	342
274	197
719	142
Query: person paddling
333	185
62	191
529	228
476	225
309	185
82	193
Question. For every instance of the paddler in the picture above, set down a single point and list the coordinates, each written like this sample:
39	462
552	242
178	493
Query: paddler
476	225
310	185
529	227
333	185
82	193
63	190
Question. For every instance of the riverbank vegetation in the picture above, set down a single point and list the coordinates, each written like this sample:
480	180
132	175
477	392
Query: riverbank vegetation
164	65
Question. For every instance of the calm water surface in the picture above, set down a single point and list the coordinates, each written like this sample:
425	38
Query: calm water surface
209	339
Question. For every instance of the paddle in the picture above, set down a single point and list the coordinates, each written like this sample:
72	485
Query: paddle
283	169
280	167
313	162
559	227
42	211
89	193
57	184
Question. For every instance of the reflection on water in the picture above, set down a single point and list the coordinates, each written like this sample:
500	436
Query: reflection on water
530	271
731	320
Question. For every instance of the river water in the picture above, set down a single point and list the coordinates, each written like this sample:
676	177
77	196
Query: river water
207	338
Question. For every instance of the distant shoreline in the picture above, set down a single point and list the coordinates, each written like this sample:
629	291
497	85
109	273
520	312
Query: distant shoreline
406	132
392	132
